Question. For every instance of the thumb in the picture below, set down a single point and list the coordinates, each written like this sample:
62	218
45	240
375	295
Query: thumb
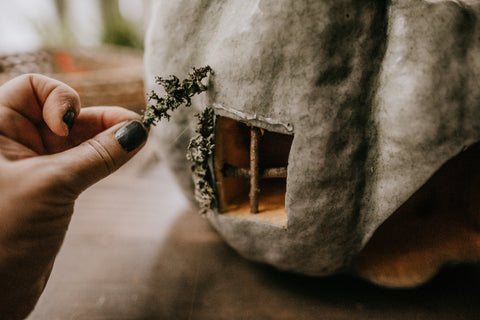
96	158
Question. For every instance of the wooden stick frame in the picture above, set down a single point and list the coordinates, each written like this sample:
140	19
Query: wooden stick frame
254	173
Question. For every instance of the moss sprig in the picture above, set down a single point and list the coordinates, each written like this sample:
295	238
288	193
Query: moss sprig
177	93
199	151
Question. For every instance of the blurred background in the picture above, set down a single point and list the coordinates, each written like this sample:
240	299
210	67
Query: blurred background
95	46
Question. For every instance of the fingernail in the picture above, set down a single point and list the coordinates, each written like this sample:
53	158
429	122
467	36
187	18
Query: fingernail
131	135
69	119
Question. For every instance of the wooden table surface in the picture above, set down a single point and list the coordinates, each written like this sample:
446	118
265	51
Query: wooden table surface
136	250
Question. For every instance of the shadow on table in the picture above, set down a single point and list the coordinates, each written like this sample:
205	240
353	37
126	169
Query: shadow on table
197	276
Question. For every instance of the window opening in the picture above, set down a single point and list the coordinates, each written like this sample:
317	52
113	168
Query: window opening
251	169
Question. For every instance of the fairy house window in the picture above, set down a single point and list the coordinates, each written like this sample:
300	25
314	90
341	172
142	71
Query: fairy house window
250	163
251	171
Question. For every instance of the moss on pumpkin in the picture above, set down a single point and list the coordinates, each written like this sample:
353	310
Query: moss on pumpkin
200	149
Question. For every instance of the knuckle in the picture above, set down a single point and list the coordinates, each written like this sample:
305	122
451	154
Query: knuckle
107	160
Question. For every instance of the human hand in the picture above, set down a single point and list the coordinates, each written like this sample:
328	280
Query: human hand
45	163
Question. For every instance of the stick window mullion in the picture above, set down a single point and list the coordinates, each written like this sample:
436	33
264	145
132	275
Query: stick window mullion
255	134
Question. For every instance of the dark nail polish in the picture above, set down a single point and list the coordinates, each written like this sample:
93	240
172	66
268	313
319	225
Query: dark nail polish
131	135
69	119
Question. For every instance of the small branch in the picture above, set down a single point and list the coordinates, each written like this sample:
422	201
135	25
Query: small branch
254	168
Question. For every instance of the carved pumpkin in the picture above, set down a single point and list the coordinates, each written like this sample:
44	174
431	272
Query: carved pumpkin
362	101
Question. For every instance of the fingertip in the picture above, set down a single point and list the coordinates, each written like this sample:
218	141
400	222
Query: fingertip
131	135
61	122
68	121
61	109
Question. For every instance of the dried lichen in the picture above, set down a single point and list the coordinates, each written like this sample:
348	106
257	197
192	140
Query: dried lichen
199	152
176	94
202	144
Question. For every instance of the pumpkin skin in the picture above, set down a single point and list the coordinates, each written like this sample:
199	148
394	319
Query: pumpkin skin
379	95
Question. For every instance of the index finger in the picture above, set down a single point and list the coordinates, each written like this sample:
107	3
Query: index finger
42	99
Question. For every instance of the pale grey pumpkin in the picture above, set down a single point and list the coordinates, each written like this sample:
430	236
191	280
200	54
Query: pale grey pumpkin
378	95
